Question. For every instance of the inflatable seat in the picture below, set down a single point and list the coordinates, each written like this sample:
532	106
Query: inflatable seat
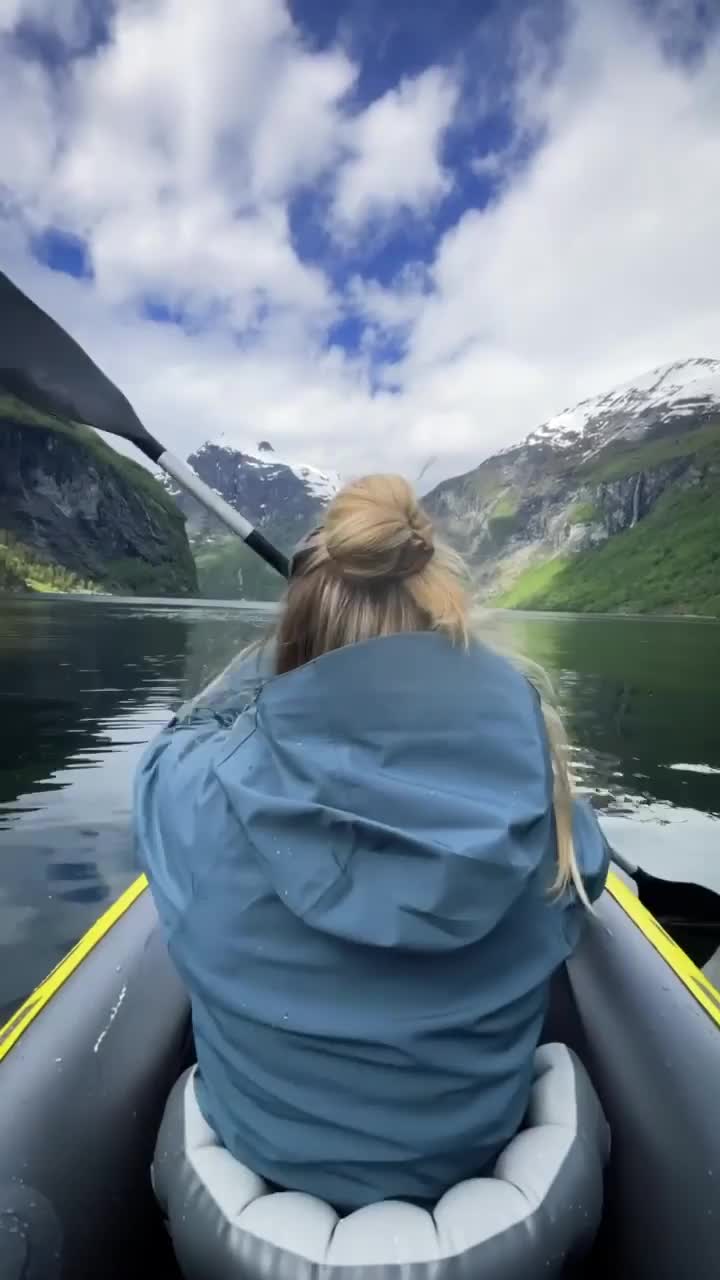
539	1211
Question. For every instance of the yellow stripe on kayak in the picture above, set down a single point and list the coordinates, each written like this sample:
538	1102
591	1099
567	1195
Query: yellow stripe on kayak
693	978
20	1021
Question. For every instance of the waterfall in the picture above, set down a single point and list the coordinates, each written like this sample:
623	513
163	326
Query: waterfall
636	501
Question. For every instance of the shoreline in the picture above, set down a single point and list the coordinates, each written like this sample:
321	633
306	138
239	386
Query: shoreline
198	602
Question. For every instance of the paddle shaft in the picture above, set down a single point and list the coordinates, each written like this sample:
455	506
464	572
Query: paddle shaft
43	366
629	868
192	484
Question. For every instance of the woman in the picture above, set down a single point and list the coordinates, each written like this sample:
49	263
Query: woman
368	874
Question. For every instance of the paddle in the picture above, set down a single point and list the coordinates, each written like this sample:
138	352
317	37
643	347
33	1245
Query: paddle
43	366
679	906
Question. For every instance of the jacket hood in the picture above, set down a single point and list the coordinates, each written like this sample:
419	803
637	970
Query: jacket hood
396	793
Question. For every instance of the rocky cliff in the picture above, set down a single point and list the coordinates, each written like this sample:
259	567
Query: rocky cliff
73	511
282	498
269	491
612	505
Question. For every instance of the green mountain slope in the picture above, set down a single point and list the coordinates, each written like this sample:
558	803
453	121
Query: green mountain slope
669	562
10	579
76	514
13	410
611	506
227	570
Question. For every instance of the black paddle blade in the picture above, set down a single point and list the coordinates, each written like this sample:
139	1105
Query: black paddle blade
677	898
43	366
690	913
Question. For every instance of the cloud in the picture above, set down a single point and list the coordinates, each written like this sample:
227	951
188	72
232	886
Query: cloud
599	259
157	151
395	163
490	164
67	19
299	136
27	134
176	151
394	309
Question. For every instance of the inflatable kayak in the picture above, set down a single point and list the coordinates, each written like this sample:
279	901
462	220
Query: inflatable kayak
100	1052
88	1062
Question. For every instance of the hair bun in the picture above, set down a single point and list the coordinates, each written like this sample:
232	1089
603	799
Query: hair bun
376	529
417	552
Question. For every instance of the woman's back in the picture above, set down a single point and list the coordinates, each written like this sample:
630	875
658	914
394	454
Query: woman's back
354	879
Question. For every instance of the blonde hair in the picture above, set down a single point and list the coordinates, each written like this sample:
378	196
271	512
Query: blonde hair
376	568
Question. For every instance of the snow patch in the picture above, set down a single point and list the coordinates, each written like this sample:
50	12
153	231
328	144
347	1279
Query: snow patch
319	484
678	389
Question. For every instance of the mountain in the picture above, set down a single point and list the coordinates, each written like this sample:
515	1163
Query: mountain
611	505
282	498
269	491
76	514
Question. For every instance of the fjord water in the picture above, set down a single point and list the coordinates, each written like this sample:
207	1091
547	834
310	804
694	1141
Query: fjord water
85	683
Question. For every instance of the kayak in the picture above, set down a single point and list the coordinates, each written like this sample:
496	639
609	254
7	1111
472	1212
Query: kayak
87	1064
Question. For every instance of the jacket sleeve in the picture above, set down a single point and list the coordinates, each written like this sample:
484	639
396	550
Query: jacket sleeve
171	772
181	817
180	814
591	848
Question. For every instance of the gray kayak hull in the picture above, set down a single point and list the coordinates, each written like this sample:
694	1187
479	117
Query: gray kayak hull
87	1064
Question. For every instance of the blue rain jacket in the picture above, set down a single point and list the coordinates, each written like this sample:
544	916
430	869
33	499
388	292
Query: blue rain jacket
352	874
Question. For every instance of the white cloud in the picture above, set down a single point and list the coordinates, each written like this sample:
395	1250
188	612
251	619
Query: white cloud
27	133
175	150
162	160
395	163
395	308
67	19
490	164
597	262
299	136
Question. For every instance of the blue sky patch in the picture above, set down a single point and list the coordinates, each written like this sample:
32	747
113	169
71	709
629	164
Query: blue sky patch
64	252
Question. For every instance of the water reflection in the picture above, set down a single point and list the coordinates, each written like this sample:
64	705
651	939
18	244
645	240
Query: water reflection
641	701
85	684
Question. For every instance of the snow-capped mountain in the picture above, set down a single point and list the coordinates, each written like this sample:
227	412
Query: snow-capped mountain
270	491
683	389
322	485
592	472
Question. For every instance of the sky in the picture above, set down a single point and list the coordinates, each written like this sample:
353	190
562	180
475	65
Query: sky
382	234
